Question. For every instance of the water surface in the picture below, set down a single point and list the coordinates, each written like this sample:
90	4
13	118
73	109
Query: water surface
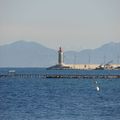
59	99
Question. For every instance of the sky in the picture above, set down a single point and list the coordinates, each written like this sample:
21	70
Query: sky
72	24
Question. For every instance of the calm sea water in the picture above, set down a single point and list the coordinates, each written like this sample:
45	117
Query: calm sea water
58	99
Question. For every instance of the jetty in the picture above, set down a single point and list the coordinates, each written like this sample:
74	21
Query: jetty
69	74
61	65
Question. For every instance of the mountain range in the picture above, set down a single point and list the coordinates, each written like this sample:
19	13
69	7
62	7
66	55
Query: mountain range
31	54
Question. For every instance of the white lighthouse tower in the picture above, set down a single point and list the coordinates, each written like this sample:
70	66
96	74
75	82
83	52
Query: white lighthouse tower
60	57
60	64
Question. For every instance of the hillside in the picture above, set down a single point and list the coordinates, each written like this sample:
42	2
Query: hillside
31	54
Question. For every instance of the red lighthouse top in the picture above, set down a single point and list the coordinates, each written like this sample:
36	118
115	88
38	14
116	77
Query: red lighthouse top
60	49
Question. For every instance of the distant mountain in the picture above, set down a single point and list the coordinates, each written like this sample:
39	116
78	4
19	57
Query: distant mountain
26	54
31	54
104	54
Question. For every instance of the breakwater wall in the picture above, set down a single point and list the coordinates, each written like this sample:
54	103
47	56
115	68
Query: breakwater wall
68	75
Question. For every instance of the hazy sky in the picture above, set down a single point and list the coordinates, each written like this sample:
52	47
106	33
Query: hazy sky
73	24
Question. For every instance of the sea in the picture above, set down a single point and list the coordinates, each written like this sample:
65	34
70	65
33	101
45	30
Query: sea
59	98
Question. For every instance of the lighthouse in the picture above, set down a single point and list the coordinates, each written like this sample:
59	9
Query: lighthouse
60	56
60	64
